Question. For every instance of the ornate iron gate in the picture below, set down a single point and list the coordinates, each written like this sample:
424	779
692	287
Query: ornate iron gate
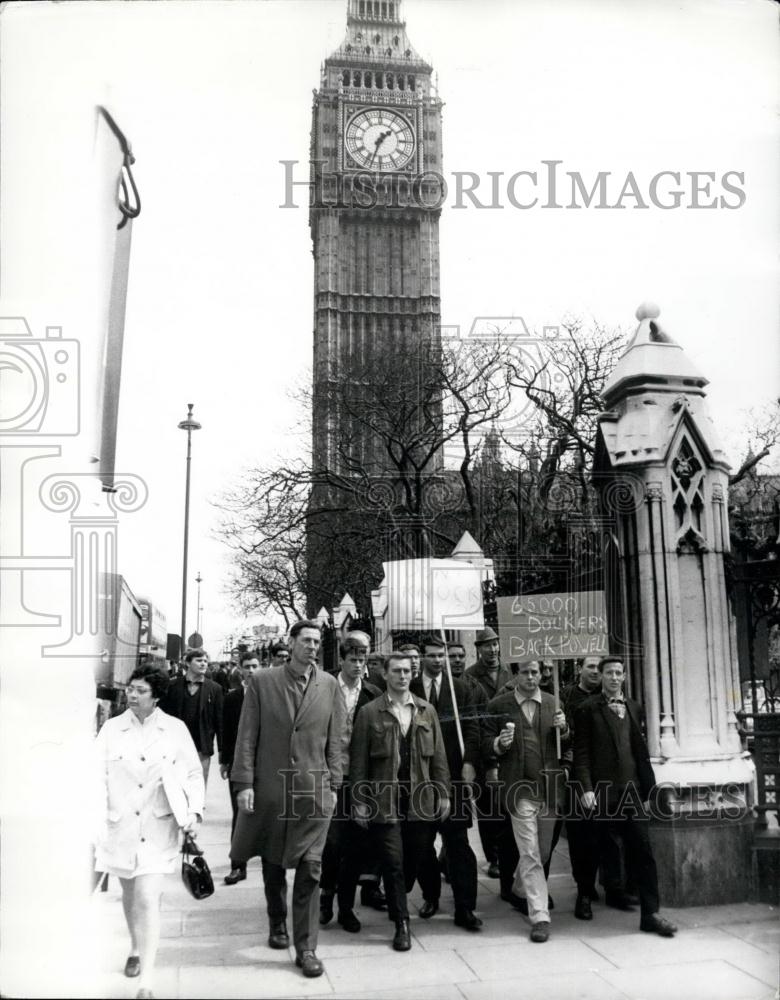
757	592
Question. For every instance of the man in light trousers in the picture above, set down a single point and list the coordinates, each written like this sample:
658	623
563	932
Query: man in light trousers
520	727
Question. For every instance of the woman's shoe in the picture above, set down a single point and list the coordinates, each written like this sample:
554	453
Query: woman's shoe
133	967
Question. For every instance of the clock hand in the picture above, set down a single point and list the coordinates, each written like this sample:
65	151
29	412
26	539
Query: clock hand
381	138
377	143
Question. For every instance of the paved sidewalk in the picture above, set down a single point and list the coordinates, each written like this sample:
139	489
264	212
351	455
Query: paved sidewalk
217	948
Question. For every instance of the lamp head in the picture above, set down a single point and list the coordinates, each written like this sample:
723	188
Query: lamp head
189	424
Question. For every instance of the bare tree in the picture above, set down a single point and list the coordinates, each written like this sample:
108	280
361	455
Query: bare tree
536	497
380	489
565	389
763	435
264	525
754	496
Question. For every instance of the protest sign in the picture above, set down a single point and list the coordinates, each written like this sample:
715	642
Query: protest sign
433	594
552	626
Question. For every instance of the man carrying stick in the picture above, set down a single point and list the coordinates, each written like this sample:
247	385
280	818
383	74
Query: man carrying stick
434	686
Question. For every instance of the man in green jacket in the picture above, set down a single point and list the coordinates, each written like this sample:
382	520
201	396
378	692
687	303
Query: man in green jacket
400	783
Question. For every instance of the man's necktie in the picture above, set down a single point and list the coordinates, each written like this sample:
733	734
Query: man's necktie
618	706
434	692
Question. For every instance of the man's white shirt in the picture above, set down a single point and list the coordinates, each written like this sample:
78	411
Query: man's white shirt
528	703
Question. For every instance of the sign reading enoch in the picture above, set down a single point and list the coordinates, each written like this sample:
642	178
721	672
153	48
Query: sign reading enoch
552	626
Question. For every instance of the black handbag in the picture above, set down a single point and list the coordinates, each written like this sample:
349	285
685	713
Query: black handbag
195	873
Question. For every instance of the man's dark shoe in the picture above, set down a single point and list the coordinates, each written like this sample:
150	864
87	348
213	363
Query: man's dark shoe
656	924
133	966
493	870
236	875
372	895
582	908
518	902
540	932
278	936
402	940
429	908
468	920
326	908
618	901
349	921
309	964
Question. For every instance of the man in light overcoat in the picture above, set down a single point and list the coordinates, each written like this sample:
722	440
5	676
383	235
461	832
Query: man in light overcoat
287	768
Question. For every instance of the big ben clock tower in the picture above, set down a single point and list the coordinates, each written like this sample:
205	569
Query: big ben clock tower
376	154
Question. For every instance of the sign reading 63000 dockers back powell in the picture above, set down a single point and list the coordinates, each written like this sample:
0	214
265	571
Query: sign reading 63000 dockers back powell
552	626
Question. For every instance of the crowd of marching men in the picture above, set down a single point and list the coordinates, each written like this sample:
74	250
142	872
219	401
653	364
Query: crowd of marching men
348	779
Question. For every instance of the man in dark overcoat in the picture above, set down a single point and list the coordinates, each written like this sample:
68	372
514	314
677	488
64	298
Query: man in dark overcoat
288	768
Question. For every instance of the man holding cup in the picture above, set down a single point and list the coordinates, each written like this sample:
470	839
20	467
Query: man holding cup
520	731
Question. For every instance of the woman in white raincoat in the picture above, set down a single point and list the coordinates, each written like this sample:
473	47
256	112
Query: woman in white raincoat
151	787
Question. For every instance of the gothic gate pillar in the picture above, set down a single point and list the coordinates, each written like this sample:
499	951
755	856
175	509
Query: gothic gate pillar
657	439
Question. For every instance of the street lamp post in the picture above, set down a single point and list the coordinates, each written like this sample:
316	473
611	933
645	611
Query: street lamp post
189	425
198	580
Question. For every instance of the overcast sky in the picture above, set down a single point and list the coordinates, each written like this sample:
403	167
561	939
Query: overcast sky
219	312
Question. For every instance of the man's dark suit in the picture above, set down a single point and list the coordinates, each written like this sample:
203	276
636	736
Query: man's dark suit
345	856
586	850
231	713
209	712
595	750
600	767
461	863
490	820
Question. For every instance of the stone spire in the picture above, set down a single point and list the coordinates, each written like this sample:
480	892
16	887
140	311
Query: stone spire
652	358
642	416
376	34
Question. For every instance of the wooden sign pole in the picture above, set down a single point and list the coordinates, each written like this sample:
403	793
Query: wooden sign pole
556	695
455	712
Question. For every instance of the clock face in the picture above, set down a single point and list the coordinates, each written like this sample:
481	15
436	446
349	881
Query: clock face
378	139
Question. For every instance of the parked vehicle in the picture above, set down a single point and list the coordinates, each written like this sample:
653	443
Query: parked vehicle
120	631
